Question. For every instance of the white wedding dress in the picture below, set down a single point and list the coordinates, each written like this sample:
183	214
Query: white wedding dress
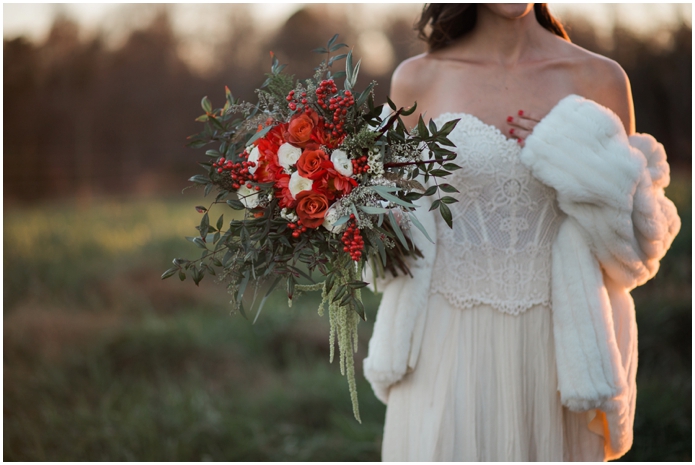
486	385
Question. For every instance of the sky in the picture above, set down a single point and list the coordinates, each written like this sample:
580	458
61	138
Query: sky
34	20
200	24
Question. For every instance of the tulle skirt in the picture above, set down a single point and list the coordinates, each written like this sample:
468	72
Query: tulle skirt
485	389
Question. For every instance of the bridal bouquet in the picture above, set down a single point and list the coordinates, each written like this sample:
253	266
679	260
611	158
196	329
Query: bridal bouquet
322	186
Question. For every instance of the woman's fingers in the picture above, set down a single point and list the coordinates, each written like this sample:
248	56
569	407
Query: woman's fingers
525	115
521	125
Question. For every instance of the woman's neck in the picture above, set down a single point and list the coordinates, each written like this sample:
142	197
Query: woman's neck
504	41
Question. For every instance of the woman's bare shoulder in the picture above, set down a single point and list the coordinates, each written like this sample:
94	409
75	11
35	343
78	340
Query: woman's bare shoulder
410	79
604	81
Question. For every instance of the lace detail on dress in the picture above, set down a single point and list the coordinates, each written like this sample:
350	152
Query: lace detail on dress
498	252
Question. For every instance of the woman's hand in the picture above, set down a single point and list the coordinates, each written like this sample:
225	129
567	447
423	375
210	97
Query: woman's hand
521	126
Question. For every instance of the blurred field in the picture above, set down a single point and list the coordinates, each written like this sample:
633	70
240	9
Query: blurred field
104	361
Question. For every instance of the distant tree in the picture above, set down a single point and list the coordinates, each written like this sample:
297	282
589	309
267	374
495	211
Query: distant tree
81	118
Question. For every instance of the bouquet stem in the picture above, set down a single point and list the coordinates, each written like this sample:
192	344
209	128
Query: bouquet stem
409	163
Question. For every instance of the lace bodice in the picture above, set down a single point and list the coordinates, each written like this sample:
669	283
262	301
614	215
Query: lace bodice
498	252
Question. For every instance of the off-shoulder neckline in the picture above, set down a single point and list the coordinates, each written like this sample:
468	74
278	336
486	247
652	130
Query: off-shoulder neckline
498	133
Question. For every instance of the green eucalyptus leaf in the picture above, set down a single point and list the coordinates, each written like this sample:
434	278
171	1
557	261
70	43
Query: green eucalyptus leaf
342	220
346	298
419	225
396	200
242	311
410	110
328	284
259	134
430	191
448	188
265	297
337	47
336	58
372	210
235	204
357	284
339	74
339	294
421	129
359	308
199	179
439	173
448	127
170	272
397	230
446	214
433	127
197	276
205	103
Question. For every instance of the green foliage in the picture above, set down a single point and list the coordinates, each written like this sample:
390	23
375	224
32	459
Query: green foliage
105	362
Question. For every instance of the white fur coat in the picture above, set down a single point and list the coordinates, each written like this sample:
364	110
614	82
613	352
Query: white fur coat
619	225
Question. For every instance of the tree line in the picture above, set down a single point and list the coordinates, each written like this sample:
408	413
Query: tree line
81	118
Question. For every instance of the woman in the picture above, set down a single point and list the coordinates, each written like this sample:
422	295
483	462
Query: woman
516	340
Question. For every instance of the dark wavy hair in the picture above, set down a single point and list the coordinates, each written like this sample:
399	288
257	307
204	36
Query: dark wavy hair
449	21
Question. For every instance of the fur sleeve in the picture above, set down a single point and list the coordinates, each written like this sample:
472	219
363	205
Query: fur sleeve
610	183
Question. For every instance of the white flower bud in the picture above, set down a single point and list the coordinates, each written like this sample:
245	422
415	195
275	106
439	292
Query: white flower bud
330	219
298	184
288	215
254	155
249	197
341	162
288	155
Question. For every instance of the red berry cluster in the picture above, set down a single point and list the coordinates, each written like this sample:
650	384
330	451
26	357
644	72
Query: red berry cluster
239	171
338	105
297	228
293	100
352	238
360	165
325	89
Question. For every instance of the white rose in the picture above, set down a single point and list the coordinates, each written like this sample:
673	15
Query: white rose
249	197
341	162
254	155
289	215
299	184
330	219
288	155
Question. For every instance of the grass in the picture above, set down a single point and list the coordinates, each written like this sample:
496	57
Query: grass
104	361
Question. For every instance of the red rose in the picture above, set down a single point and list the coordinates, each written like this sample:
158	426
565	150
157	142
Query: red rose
311	208
282	191
309	163
332	183
343	184
299	130
268	168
